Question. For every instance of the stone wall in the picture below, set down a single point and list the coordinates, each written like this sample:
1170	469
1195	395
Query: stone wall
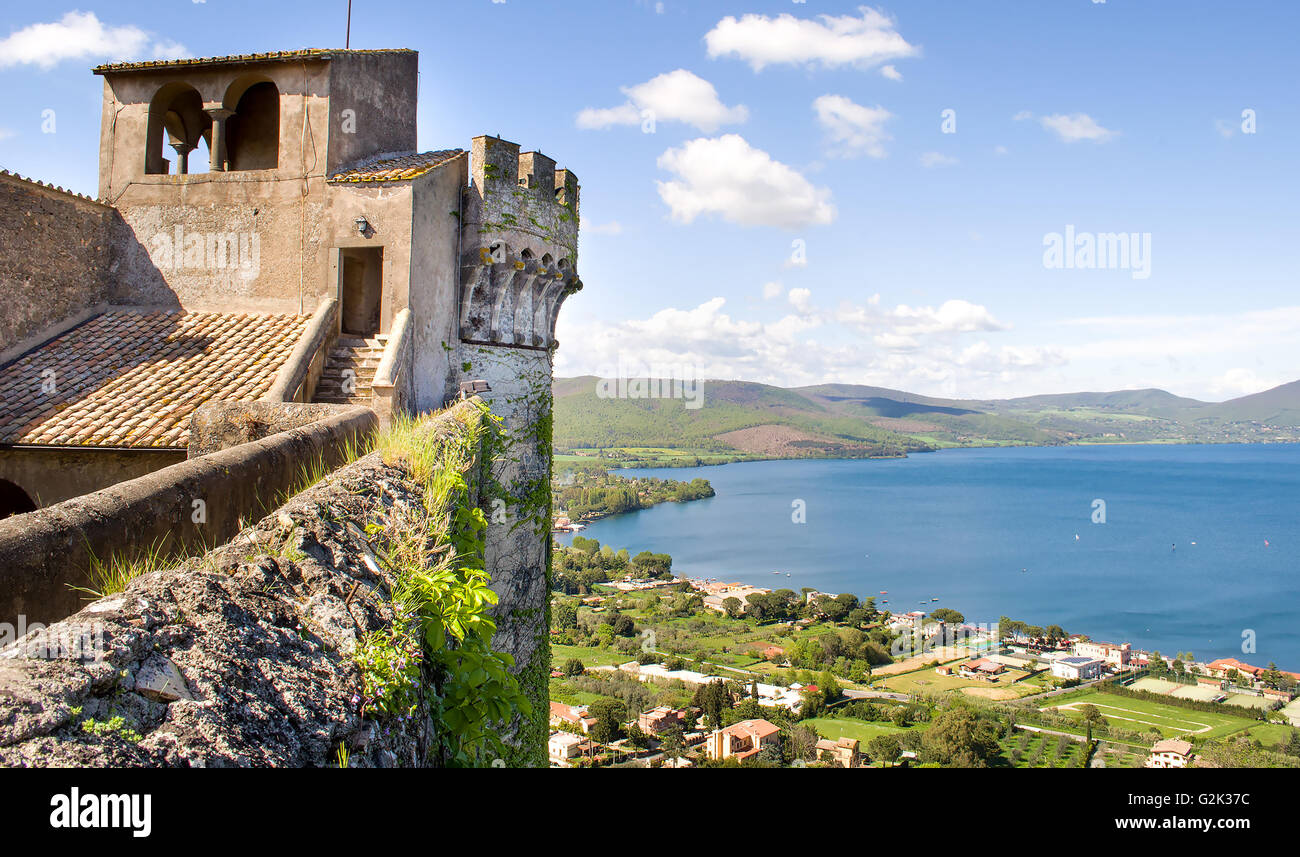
242	657
55	257
199	502
518	510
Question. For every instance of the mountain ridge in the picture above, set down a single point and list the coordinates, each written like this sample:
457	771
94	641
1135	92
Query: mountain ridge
747	418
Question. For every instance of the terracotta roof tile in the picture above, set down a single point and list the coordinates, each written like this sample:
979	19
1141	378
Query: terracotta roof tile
397	168
131	379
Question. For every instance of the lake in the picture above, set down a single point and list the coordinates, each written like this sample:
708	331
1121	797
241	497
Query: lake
1198	551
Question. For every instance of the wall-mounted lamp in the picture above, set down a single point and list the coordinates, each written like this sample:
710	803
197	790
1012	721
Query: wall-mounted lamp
363	226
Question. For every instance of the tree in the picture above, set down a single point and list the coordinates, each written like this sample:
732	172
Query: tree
573	667
566	615
884	749
672	742
947	616
638	739
802	743
712	699
960	738
609	714
733	606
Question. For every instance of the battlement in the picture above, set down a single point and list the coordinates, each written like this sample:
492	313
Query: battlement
520	199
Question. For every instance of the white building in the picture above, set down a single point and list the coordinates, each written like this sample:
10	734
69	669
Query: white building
1170	753
1076	667
563	746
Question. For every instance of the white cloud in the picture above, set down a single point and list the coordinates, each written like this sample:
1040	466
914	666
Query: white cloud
611	228
863	42
677	96
772	290
1077	126
801	300
1022	116
5	134
930	160
802	348
952	316
1241	382
890	72
82	36
999	150
853	130
1225	129
744	185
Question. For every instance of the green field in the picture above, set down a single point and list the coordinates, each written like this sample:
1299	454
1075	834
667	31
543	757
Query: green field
1138	715
928	681
590	657
835	728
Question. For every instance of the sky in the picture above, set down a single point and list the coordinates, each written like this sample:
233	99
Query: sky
913	195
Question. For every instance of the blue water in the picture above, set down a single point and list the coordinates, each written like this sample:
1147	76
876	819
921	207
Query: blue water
961	525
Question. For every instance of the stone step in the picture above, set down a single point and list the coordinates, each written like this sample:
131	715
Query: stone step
333	362
343	400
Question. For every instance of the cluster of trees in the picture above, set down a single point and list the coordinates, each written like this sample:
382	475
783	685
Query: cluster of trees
1034	634
589	494
786	604
605	629
849	652
576	569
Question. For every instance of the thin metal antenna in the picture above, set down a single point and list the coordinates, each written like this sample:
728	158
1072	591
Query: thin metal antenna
347	41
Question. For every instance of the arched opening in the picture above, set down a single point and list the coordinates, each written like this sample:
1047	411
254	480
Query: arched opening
253	131
14	500
179	133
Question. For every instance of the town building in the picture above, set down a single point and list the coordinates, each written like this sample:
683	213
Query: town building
1170	753
843	752
574	717
982	668
1118	656
563	746
657	720
744	740
1076	667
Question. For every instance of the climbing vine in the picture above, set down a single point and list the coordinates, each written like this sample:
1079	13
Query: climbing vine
443	628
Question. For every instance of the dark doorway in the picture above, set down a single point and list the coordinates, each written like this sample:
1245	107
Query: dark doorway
361	278
14	500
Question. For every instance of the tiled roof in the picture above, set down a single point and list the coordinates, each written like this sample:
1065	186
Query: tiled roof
396	169
241	59
132	379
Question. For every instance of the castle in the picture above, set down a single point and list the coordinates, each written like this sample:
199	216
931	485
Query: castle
266	231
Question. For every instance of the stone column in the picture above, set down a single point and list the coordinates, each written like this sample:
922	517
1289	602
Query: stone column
182	156
220	163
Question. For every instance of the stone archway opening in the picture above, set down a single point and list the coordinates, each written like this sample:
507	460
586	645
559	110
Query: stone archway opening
14	500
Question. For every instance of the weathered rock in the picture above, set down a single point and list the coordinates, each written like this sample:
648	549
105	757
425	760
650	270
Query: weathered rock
242	657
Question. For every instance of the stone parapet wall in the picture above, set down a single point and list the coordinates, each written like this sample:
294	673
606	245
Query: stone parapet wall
199	502
241	657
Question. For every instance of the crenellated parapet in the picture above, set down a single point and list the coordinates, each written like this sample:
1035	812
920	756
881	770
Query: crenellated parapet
519	246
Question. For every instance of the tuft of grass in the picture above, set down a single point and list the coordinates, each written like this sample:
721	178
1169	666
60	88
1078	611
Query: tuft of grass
111	576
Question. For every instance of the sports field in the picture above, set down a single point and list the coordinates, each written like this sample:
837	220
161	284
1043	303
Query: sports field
1199	692
1139	715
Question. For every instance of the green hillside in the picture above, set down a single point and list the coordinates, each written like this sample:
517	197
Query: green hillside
741	419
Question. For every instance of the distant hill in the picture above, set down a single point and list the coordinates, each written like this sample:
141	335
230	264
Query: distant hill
742	418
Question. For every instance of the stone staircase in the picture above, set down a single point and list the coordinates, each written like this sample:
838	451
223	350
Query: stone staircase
350	371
